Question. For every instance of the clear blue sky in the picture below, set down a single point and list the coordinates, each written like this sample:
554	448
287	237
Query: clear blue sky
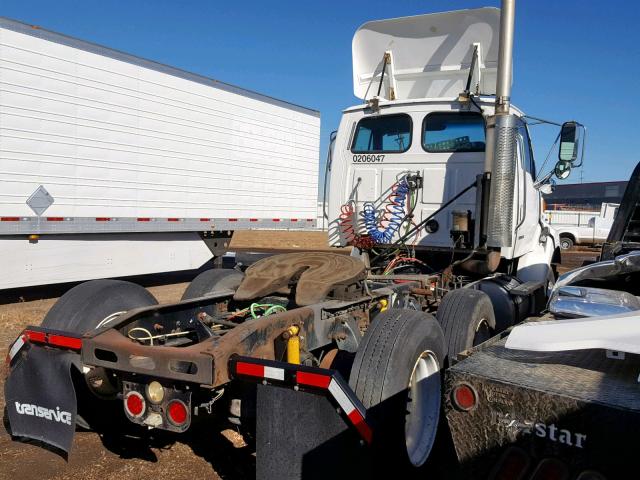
574	59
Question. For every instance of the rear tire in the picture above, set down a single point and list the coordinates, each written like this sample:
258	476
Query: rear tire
85	306
467	319
212	281
396	375
82	309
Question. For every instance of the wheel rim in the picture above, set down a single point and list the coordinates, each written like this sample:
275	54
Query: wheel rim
483	332
565	245
423	408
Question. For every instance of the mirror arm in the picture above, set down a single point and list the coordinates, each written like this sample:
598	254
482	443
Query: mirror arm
543	180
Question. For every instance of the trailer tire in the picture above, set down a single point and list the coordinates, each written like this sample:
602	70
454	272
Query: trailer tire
82	309
396	370
467	319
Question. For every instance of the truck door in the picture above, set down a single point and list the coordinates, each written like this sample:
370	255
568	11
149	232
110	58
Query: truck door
527	197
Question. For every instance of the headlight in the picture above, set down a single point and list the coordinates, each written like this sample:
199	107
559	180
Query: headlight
155	392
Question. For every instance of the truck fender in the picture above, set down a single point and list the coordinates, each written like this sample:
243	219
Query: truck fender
41	398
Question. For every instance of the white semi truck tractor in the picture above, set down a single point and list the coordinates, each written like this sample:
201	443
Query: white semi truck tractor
432	182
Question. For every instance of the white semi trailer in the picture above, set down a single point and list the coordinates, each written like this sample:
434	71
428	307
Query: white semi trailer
112	165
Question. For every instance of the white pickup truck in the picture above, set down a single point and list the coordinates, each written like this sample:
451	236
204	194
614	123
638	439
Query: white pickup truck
582	227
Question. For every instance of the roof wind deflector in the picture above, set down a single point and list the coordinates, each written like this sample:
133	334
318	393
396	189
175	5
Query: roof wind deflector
430	55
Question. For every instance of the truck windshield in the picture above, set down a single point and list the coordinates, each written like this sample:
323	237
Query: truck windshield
453	132
384	134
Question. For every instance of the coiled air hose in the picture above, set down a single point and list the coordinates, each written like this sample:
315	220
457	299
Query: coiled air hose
393	216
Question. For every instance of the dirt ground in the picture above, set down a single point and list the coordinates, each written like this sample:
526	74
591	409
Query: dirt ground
576	257
207	451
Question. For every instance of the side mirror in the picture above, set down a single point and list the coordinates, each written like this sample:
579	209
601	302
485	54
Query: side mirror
568	151
562	170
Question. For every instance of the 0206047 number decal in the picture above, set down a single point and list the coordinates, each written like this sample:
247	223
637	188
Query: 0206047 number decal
368	158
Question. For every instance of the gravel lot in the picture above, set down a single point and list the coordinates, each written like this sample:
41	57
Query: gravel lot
207	451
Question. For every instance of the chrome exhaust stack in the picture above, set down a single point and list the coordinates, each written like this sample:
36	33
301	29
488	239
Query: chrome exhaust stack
500	161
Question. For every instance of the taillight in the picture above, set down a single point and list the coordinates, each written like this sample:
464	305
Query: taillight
550	469
512	466
134	404
177	412
464	397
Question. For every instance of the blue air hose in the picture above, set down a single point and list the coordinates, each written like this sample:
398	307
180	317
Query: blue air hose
394	214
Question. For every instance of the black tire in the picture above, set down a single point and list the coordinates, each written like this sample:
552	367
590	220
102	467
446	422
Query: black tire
467	319
213	280
382	369
81	310
566	243
83	307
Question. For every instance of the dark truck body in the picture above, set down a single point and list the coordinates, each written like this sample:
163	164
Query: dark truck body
565	412
580	408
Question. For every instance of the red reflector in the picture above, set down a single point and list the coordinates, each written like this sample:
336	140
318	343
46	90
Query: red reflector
55	219
233	219
205	219
550	469
275	219
361	425
294	219
251	369
253	219
464	397
103	219
66	342
309	219
9	219
173	219
313	379
36	337
134	404
178	413
144	219
513	465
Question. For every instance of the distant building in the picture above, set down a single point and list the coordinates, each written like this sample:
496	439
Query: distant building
585	196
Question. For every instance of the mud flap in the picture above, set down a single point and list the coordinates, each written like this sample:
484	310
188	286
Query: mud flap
300	435
41	398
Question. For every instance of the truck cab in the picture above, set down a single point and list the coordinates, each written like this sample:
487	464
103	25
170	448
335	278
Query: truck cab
426	100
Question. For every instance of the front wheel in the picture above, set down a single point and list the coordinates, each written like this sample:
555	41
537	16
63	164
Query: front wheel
396	375
566	243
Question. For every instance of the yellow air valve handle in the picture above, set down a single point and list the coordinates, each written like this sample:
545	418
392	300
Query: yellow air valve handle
293	345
